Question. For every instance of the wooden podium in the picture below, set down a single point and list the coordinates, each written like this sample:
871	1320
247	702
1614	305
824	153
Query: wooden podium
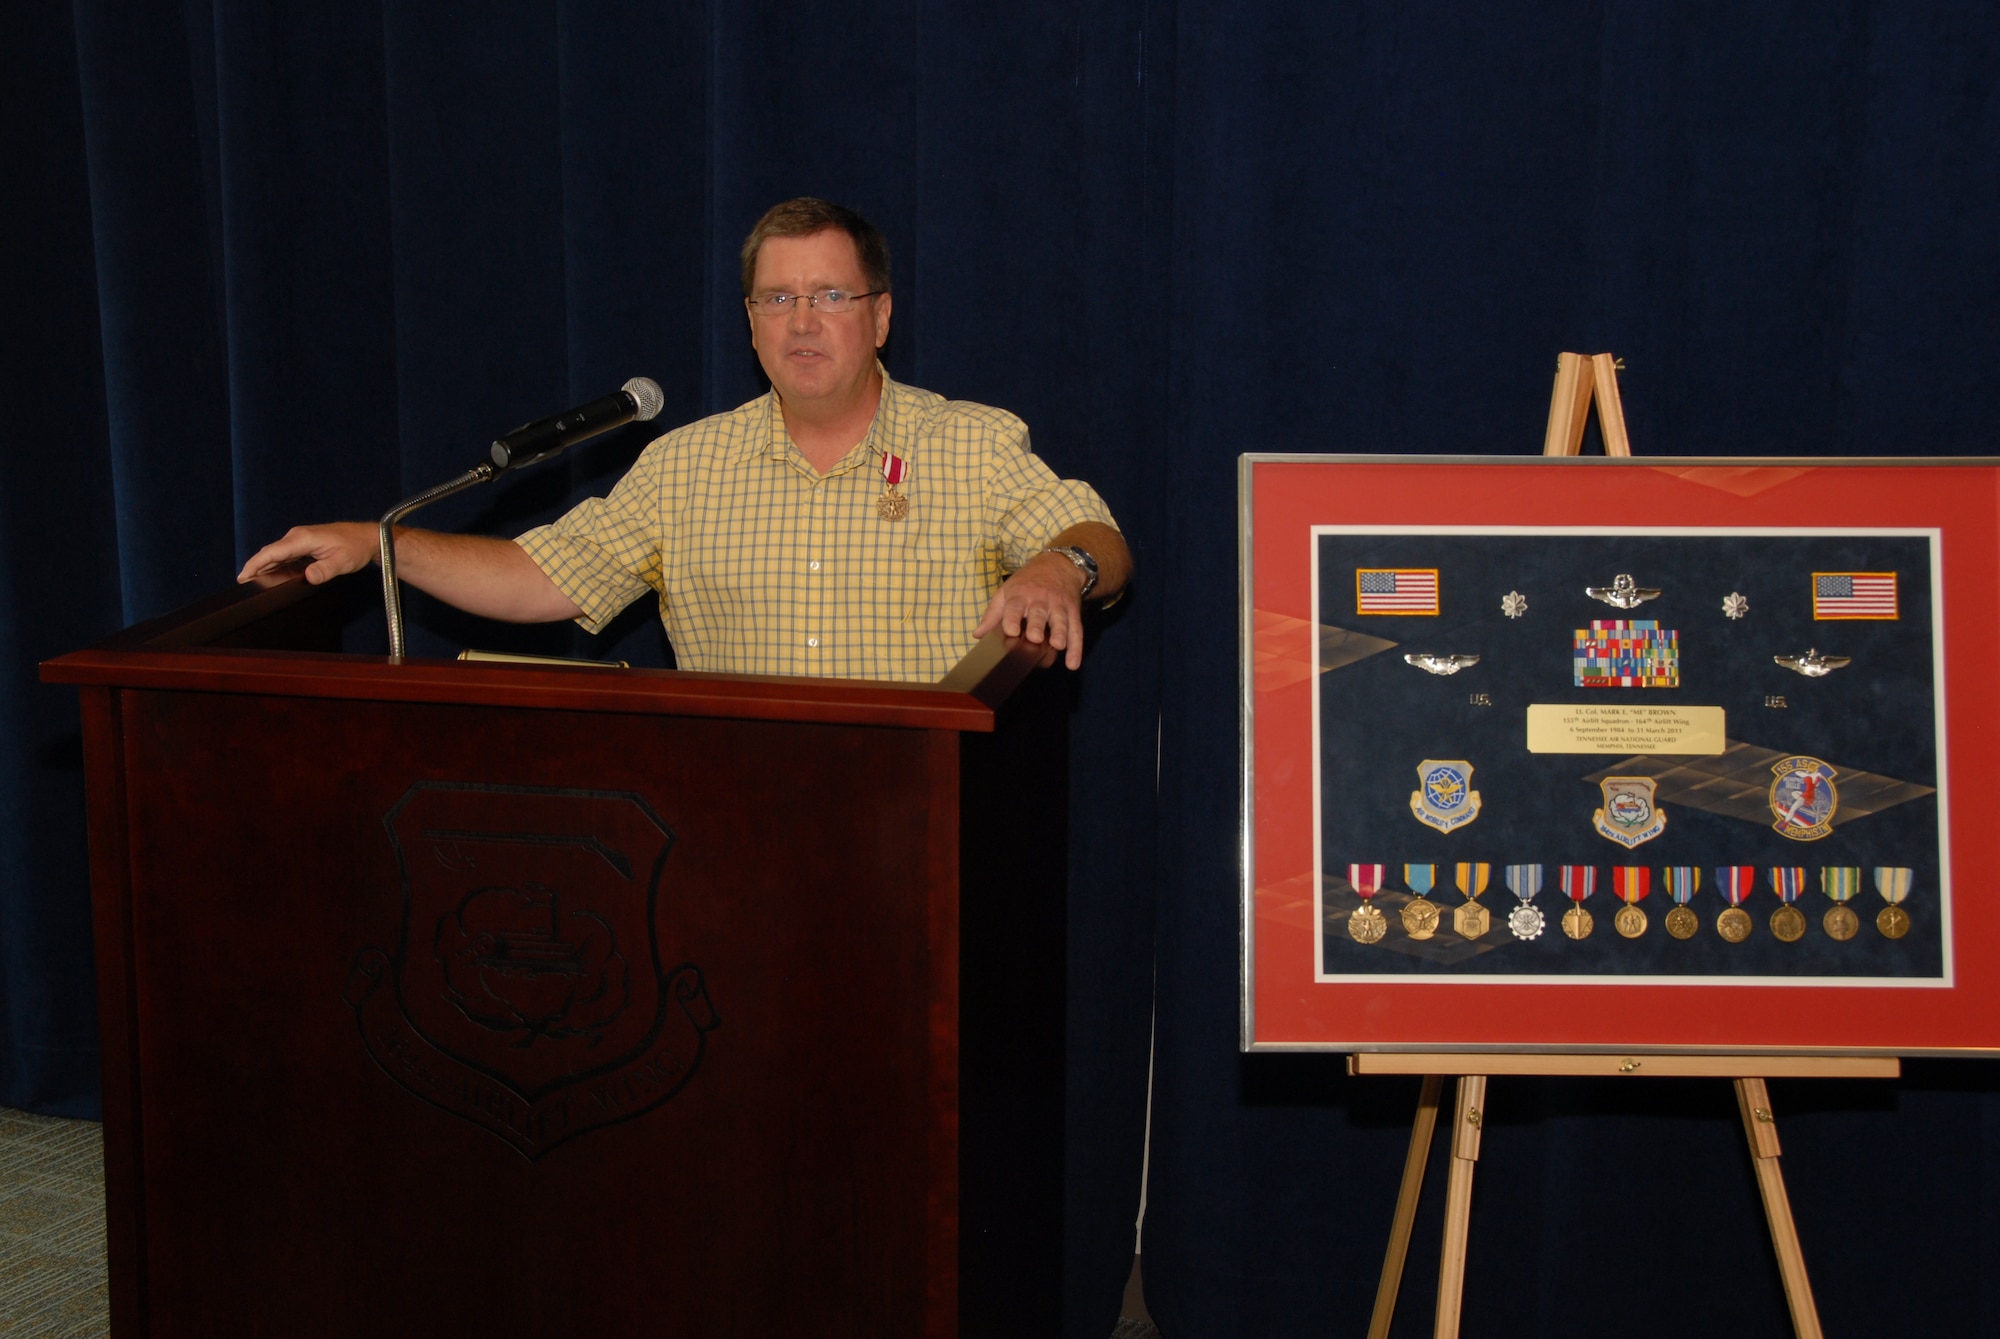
467	998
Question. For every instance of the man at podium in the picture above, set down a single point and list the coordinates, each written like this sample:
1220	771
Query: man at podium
841	525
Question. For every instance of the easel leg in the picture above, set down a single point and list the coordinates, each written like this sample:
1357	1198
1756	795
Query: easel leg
1406	1207
1754	1102
1469	1116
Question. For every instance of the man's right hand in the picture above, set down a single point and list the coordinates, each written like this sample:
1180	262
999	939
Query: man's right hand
336	550
494	578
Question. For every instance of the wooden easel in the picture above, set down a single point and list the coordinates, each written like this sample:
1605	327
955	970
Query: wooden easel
1752	1102
1568	408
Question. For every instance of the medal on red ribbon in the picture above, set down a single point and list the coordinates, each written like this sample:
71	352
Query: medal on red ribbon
892	505
1578	883
1524	881
1365	924
1788	923
1471	919
1841	883
1893	882
1682	882
1420	914
1736	883
1631	883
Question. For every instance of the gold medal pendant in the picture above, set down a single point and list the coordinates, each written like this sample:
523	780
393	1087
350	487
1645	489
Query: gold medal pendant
1893	922
1366	925
1471	920
1734	925
1841	923
1788	923
1630	921
1420	918
1577	923
893	506
1682	923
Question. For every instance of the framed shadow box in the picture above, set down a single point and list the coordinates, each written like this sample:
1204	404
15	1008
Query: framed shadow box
1619	754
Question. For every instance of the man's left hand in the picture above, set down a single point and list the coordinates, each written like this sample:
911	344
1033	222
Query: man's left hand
1042	602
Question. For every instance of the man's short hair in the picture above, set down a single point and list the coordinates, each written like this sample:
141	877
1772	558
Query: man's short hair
808	215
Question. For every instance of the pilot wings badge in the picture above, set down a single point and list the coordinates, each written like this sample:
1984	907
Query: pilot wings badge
1444	797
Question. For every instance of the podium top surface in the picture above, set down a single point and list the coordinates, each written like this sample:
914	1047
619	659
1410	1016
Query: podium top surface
230	643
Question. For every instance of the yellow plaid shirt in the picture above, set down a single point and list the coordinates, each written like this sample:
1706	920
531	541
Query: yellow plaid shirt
764	566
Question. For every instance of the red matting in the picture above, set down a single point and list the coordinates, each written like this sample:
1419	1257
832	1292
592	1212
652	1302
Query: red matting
1284	497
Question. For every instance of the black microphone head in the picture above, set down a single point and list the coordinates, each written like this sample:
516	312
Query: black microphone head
645	393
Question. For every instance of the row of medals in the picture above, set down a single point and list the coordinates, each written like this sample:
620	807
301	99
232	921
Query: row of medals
1367	924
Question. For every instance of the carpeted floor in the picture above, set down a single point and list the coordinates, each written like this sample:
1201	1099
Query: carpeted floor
52	1232
51	1227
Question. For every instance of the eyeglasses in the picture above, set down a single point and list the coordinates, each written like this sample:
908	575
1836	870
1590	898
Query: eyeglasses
826	300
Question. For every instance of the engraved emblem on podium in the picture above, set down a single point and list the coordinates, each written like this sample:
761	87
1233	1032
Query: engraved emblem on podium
527	978
1444	798
1629	815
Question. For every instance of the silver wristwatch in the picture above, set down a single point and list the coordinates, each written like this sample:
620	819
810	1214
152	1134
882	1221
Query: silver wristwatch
1084	564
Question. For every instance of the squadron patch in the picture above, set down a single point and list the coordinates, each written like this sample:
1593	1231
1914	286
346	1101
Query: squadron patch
1803	798
1444	797
1629	815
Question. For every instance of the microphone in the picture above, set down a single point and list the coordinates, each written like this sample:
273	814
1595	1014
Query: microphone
640	399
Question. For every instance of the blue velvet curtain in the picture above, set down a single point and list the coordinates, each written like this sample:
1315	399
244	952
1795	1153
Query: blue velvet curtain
274	263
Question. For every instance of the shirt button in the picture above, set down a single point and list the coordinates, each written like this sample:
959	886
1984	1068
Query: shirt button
812	641
813	566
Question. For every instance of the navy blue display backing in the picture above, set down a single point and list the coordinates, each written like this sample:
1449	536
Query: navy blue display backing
1380	717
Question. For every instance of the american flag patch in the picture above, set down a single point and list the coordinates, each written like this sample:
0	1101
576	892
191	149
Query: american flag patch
1854	595
1395	590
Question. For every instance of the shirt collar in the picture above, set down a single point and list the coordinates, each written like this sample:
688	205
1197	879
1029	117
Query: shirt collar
881	428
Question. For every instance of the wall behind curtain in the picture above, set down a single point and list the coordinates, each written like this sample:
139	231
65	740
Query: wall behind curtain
282	263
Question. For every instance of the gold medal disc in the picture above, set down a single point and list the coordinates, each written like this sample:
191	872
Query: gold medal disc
1420	918
1471	920
1840	922
1630	921
892	505
1577	923
1366	925
1893	922
1682	923
1734	925
1788	923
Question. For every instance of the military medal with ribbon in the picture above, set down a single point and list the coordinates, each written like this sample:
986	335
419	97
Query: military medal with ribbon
1524	881
1683	882
1841	883
1788	922
892	505
1893	882
1470	919
1420	914
1631	883
1578	883
1365	924
1735	882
